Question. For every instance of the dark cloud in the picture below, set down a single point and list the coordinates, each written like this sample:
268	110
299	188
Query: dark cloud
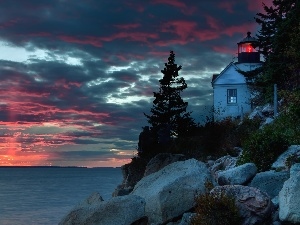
77	76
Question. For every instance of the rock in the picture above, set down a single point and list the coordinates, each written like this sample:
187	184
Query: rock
295	170
281	162
171	191
289	199
187	218
266	122
256	113
254	206
119	210
161	160
237	175
223	163
121	191
270	182
267	110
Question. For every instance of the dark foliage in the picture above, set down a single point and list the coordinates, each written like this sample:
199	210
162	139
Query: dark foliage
169	109
279	43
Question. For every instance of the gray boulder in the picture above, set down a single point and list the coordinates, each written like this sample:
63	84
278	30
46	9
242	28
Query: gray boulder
122	210
270	182
268	110
254	205
161	160
295	170
186	218
171	191
237	175
281	162
289	200
256	113
223	163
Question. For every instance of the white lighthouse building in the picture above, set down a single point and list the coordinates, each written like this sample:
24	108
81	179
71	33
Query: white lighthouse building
231	94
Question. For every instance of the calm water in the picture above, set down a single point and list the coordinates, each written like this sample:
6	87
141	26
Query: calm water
42	196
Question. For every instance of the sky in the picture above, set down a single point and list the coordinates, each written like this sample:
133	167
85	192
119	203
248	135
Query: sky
77	76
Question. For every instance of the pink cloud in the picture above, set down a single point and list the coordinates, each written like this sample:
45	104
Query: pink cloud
182	28
128	26
256	5
212	22
178	4
131	36
175	3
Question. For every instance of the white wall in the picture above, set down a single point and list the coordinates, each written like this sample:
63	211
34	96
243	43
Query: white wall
223	109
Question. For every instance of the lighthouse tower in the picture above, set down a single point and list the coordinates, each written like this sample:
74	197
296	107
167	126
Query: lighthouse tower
231	94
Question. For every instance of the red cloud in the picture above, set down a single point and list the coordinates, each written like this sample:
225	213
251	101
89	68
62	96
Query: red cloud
256	5
175	3
178	4
132	36
182	28
212	22
128	26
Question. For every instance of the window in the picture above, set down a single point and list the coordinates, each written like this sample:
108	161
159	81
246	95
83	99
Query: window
231	96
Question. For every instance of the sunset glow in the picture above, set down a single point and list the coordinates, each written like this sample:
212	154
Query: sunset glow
77	77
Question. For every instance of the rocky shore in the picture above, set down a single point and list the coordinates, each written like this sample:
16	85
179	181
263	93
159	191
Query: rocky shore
166	192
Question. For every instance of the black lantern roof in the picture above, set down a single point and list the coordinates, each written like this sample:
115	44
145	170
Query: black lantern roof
248	39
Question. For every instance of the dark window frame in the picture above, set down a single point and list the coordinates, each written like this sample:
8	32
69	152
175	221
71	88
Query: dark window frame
231	96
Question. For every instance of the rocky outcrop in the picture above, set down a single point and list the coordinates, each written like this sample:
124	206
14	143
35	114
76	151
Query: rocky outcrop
237	175
161	160
270	182
295	170
254	205
289	200
223	163
171	191
282	161
122	210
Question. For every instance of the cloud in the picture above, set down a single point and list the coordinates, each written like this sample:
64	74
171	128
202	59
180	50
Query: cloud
77	76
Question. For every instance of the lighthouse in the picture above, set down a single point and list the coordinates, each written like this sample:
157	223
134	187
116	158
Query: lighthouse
231	94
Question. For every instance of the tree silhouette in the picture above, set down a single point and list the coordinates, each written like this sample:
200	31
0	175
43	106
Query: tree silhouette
169	116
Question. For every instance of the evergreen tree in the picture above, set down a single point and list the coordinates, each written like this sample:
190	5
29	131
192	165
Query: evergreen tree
278	39
169	109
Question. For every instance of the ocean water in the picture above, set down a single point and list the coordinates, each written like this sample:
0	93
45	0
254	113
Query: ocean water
42	196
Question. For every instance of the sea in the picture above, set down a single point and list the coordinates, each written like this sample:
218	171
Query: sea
44	195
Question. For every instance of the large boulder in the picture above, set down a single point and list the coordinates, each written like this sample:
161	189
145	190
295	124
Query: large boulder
122	210
237	175
223	163
282	160
289	200
270	182
254	206
161	160
295	170
171	191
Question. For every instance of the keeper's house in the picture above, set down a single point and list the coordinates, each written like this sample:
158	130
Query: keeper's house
231	95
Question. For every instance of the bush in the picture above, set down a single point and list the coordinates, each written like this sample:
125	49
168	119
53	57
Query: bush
214	209
263	147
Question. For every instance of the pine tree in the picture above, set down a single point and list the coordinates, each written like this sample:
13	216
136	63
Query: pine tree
278	37
169	109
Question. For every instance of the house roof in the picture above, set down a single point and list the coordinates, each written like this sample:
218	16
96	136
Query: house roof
230	74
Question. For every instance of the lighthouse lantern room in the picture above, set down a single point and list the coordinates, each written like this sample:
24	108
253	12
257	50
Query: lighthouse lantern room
232	96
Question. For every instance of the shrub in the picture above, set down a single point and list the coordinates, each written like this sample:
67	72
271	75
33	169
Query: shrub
214	209
263	147
266	144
